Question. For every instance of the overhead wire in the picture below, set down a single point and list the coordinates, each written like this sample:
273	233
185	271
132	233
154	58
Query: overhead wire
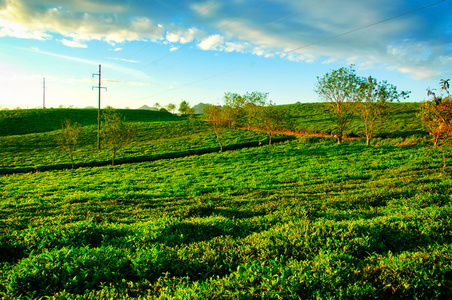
294	13
79	82
215	30
292	50
273	22
158	21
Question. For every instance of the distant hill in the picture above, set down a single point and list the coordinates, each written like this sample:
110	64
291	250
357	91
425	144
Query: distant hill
198	107
145	107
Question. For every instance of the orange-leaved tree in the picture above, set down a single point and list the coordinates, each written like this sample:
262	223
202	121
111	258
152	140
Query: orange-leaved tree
437	117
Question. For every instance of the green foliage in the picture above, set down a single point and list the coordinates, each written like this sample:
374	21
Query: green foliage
234	105
372	105
314	118
153	140
184	108
340	90
271	119
294	220
244	109
68	138
437	118
26	121
116	133
217	118
300	219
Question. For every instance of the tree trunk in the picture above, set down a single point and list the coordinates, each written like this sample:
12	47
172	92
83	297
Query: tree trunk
219	142
368	141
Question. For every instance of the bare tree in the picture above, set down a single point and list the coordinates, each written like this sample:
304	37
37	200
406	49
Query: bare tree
116	133
68	138
214	115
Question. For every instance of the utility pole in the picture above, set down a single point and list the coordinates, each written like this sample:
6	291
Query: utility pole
98	109
44	92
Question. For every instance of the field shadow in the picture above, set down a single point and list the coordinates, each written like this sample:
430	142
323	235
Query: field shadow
186	233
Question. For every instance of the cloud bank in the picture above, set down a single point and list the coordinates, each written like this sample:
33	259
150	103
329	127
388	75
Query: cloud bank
418	44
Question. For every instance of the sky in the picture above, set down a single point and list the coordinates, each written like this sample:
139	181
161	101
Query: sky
167	51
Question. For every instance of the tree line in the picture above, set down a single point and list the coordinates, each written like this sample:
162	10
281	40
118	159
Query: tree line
345	95
247	110
115	134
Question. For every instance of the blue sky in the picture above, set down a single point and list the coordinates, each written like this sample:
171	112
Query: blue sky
166	51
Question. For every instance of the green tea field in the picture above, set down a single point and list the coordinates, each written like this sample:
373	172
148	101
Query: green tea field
303	218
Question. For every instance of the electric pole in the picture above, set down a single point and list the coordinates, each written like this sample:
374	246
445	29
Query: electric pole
44	92
99	87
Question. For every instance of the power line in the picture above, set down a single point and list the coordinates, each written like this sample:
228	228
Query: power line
295	49
273	22
216	29
294	13
194	16
175	8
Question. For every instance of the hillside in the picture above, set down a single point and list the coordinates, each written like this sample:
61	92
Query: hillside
301	219
25	121
401	121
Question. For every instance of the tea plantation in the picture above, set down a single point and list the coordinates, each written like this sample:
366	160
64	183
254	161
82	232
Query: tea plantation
304	218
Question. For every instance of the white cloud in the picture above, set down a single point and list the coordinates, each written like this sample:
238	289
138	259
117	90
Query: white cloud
212	42
182	37
126	60
409	44
173	36
79	20
112	81
73	44
234	47
117	49
172	49
189	35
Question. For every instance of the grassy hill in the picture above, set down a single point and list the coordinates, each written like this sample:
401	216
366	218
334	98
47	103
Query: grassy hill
25	121
159	135
401	120
301	219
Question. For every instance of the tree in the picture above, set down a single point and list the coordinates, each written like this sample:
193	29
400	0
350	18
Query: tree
437	117
116	133
235	103
373	99
340	90
432	121
271	117
184	108
157	106
68	138
227	115
254	102
214	115
171	107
